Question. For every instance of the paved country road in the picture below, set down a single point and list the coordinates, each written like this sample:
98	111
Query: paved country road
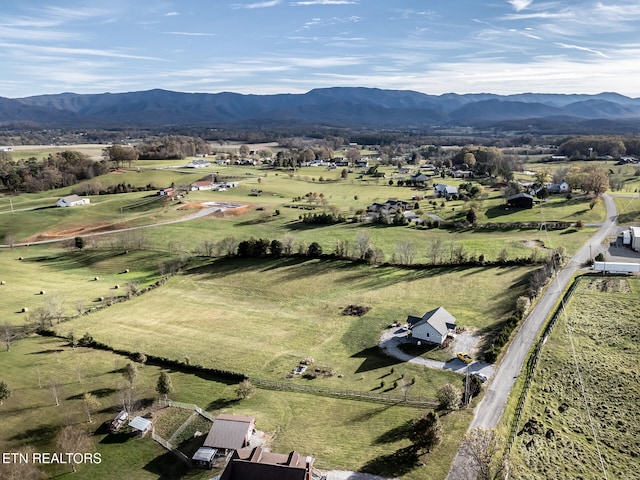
489	410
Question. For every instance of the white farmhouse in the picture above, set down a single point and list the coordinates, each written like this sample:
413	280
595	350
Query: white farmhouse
433	327
72	201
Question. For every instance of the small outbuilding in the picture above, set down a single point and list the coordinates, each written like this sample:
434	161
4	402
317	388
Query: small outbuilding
72	201
141	426
204	457
520	200
229	432
433	327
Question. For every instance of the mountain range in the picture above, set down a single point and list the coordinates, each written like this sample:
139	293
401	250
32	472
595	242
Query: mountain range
338	106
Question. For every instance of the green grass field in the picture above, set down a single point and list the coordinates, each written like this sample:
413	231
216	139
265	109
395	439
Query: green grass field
341	434
556	440
264	316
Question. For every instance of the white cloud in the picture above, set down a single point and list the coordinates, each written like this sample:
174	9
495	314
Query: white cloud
251	6
324	2
520	4
583	49
171	14
191	34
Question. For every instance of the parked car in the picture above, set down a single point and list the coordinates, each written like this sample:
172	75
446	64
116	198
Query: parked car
480	376
464	357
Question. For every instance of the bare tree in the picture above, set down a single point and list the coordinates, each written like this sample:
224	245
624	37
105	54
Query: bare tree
10	239
363	243
72	439
91	404
6	332
483	448
406	251
55	307
228	246
54	387
435	250
288	242
21	470
130	374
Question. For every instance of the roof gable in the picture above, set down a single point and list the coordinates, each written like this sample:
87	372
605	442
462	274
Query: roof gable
438	318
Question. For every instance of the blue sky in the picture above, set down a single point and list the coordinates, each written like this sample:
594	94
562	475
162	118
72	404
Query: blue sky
293	46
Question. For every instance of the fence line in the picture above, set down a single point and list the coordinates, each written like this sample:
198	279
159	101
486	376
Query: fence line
166	444
532	362
354	394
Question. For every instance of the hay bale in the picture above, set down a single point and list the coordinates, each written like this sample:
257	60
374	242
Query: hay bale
25	309
116	287
2	282
20	258
101	299
95	279
126	270
42	292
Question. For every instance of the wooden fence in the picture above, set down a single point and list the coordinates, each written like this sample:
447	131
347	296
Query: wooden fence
349	394
187	406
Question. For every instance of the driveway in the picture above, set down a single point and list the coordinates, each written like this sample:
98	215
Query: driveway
392	338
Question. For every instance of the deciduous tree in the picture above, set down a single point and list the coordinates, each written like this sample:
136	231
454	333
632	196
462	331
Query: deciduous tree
72	439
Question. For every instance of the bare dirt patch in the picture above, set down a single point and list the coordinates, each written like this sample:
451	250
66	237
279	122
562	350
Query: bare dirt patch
534	244
609	285
75	231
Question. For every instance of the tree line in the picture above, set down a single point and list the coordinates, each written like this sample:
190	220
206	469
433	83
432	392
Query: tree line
58	170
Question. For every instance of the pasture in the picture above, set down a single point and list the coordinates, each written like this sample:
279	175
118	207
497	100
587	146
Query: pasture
587	376
262	317
341	434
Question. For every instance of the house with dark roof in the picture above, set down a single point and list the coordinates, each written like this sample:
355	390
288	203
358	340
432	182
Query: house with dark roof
433	327
260	464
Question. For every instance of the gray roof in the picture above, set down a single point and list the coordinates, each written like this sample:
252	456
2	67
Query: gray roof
140	423
71	198
204	454
438	318
228	431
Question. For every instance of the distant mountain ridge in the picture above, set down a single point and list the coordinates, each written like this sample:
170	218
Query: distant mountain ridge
336	106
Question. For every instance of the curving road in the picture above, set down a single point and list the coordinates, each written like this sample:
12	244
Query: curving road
489	410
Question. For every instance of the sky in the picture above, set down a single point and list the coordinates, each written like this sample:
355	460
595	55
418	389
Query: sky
293	46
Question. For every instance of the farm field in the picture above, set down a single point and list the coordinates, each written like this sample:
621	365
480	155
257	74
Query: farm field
352	434
556	439
265	316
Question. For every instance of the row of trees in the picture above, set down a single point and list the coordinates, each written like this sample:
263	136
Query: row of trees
56	171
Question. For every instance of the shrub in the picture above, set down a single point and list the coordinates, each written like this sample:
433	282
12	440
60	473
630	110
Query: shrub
449	397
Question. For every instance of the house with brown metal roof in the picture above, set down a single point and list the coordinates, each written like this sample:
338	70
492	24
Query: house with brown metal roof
260	464
228	433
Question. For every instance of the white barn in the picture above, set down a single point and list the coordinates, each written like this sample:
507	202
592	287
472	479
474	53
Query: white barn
433	327
72	201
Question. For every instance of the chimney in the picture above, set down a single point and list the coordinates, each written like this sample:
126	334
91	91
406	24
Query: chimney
309	465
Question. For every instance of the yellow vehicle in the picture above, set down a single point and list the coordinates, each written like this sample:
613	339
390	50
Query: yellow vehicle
464	357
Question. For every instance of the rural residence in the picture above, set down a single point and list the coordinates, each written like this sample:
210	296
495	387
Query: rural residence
72	201
259	464
443	190
433	327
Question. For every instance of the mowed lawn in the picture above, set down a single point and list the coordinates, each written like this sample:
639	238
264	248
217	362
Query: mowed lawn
261	317
598	338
